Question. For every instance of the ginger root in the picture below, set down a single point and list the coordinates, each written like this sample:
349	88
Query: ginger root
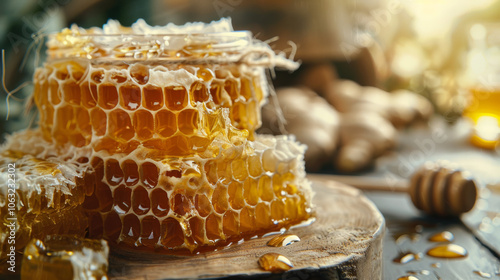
364	135
309	117
351	126
369	118
401	107
409	107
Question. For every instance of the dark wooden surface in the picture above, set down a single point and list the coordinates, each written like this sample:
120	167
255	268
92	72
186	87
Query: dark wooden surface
344	242
402	218
477	231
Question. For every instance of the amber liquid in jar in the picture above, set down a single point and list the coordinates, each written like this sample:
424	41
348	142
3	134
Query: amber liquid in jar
484	112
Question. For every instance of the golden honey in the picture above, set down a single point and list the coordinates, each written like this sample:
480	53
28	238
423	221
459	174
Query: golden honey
482	274
163	127
406	257
484	112
409	277
444	236
65	257
105	90
170	203
49	194
283	240
448	251
275	262
119	109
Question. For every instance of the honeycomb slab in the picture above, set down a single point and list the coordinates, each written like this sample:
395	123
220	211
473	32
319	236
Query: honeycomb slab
39	195
157	126
172	203
118	108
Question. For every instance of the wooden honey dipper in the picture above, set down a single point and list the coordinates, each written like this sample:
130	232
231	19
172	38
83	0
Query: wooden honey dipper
436	188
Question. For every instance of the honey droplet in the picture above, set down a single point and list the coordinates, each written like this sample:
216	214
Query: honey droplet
408	278
482	274
416	272
449	251
436	265
444	236
406	257
274	262
402	237
283	240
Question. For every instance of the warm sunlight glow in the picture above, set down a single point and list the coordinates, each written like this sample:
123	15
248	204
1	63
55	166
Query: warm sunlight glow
434	18
408	60
487	128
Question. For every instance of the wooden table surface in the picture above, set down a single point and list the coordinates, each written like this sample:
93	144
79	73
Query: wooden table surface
408	230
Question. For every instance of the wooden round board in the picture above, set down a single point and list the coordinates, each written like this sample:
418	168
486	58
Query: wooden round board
345	242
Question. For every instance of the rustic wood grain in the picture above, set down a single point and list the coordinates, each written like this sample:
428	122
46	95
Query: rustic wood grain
484	219
409	230
345	242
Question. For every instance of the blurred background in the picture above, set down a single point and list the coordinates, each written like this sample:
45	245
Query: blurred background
373	72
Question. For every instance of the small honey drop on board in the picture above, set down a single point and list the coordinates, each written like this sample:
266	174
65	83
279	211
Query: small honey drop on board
444	236
275	262
436	265
402	237
417	272
406	257
482	274
408	278
283	240
448	251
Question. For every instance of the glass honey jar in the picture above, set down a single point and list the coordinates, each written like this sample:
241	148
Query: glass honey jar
482	81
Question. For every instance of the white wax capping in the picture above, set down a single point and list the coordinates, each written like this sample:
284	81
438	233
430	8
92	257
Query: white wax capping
285	147
141	27
165	78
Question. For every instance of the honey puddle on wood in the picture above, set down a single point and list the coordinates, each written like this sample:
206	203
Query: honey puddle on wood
283	240
444	236
448	251
275	262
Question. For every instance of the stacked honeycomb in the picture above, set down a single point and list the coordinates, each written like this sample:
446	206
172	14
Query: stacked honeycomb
169	149
118	108
170	203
